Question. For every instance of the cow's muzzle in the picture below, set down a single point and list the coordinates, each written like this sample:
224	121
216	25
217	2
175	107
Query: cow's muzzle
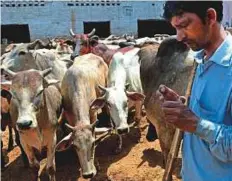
24	124
86	176
123	130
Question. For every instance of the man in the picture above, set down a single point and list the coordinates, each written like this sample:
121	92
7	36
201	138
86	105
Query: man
207	122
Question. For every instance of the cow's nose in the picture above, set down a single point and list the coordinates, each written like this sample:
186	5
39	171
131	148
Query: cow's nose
123	130
24	124
86	176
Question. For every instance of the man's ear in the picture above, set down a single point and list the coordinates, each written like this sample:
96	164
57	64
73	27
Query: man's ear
211	16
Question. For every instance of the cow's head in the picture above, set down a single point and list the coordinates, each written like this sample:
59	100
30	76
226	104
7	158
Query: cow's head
82	138
84	43
26	89
117	101
18	57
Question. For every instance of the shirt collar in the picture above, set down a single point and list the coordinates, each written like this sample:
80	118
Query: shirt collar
221	56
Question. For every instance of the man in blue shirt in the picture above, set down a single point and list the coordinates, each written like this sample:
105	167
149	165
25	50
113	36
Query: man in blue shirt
207	122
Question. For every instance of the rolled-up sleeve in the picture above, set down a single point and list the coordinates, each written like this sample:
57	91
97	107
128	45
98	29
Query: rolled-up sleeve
219	138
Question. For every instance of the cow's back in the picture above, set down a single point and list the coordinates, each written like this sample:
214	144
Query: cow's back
80	83
170	65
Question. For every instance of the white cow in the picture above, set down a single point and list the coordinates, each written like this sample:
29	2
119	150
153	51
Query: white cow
123	90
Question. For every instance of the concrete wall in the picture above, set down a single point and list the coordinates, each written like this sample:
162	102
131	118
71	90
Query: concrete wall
227	13
54	18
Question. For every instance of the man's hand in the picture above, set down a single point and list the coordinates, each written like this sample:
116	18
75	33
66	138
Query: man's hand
176	113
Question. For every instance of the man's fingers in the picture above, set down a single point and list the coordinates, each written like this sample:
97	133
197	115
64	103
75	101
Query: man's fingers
171	111
160	96
168	93
172	104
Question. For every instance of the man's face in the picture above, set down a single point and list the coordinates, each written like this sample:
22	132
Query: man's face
192	31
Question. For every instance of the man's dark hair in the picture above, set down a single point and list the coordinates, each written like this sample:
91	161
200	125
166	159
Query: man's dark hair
175	8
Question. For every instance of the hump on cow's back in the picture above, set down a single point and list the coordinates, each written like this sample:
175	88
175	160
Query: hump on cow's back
88	59
171	45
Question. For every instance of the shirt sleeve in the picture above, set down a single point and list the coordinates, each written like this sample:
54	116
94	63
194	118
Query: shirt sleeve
218	136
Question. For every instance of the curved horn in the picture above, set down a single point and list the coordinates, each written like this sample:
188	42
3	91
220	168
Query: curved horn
95	37
102	88
71	32
37	44
8	71
69	126
45	72
91	33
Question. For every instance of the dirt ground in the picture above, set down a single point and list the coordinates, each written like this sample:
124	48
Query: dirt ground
137	162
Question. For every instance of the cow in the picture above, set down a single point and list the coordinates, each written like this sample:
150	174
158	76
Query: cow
24	57
79	89
123	62
169	64
7	122
123	91
35	108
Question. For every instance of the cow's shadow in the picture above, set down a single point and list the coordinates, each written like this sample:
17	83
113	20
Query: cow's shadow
153	156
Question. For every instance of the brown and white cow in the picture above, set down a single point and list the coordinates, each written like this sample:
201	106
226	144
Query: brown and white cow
24	56
7	122
123	69
169	64
79	89
35	108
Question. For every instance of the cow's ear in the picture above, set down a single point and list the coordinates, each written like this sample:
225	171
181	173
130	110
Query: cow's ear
49	82
6	84
94	40
98	104
135	96
65	143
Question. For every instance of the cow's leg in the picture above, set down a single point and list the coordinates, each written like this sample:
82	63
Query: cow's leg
119	144
138	117
51	166
34	163
11	140
138	111
2	157
23	154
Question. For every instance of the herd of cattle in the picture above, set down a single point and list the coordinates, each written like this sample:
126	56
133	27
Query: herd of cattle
46	85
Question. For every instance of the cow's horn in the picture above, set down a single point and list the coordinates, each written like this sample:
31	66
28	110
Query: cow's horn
91	33
71	32
8	71
36	43
69	126
45	72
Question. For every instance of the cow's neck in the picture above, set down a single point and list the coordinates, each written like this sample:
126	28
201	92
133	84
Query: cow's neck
106	54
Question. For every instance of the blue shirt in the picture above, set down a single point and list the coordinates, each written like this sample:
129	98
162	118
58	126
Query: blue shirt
207	153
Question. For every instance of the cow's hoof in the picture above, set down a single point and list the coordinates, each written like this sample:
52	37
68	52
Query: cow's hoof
151	133
140	140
